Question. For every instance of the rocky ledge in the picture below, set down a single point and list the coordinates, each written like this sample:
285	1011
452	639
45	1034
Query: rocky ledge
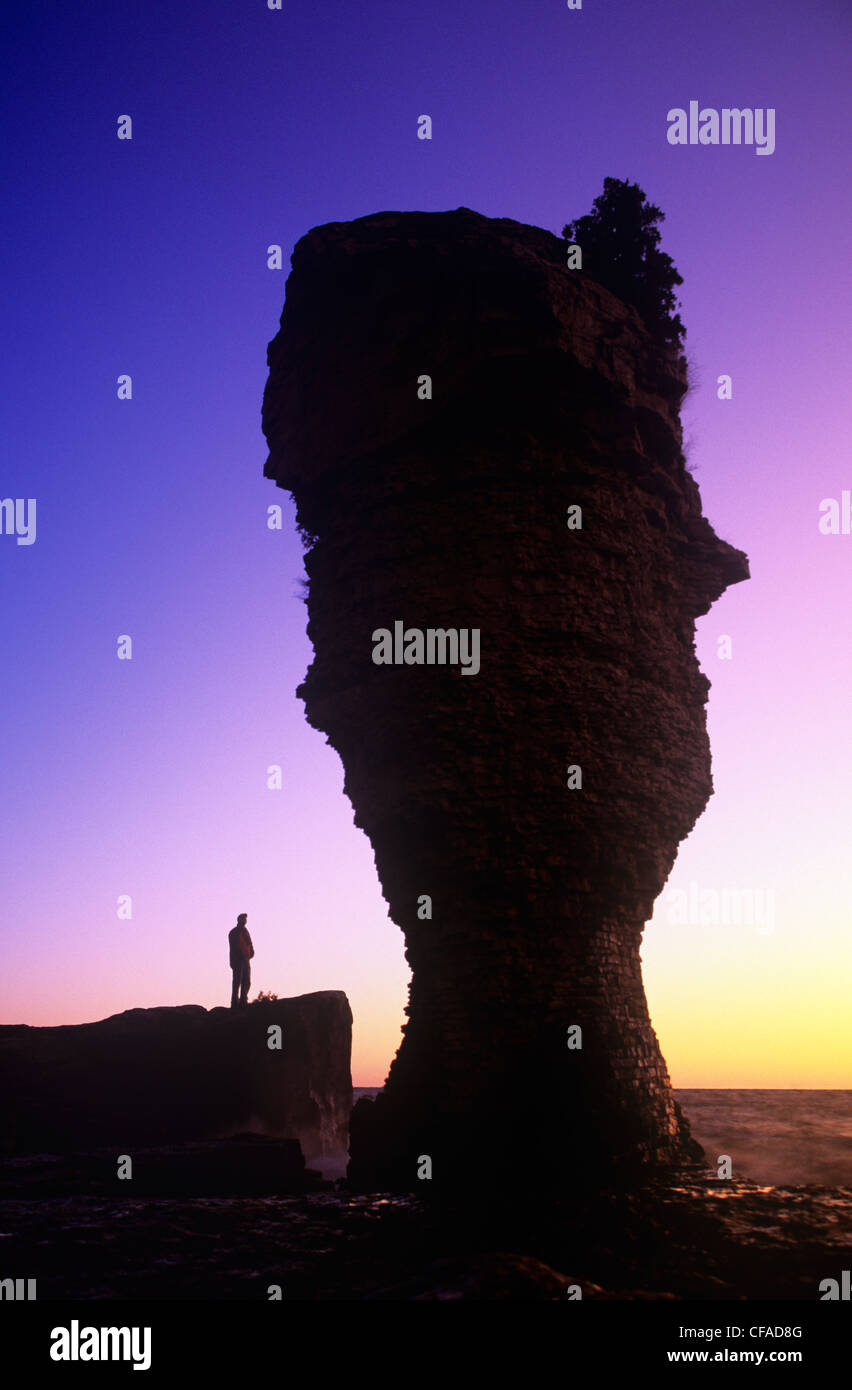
150	1077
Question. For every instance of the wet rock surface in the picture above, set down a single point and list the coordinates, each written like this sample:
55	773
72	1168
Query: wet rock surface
699	1240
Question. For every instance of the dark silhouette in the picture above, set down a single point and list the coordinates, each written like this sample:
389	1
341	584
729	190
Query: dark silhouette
175	1075
522	892
242	951
619	242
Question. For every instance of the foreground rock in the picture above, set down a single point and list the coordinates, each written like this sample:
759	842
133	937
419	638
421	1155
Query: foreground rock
724	1240
246	1165
150	1077
522	895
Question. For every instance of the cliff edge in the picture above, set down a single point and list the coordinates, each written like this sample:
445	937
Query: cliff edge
159	1076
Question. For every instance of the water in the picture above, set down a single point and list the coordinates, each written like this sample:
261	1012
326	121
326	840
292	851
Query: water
778	1137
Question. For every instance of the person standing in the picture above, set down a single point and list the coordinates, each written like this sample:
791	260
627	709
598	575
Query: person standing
242	951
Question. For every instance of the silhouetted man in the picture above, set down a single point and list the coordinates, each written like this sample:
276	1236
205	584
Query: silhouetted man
241	953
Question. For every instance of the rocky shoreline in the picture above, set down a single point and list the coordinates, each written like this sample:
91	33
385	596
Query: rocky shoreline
691	1239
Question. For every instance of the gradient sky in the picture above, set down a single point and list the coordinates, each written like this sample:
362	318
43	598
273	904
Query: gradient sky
148	257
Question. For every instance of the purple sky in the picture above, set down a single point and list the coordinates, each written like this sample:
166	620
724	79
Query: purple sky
148	257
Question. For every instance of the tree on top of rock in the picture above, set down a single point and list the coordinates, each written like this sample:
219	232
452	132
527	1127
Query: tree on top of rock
620	241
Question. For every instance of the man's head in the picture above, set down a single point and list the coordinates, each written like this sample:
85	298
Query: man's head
242	919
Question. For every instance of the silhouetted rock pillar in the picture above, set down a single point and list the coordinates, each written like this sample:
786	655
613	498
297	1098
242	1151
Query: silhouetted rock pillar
452	512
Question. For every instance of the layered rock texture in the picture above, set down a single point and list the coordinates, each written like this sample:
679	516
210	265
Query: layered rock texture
169	1075
452	512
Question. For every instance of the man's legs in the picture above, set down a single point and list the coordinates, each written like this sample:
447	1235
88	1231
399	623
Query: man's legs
235	984
246	981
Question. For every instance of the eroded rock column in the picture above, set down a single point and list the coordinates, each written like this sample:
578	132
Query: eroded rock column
522	887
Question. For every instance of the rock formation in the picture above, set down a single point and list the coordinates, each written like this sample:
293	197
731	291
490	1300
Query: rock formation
243	1165
451	512
164	1076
